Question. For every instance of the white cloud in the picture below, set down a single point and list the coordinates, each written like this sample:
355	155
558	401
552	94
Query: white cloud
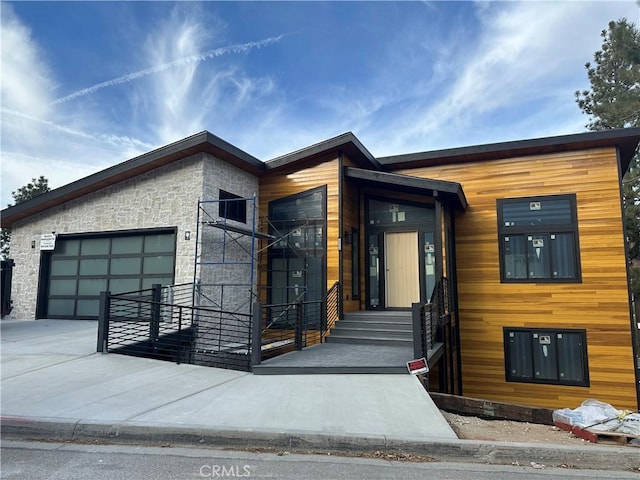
26	79
39	138
528	59
67	138
442	81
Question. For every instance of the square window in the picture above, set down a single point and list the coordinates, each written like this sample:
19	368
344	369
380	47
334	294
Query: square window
232	207
538	239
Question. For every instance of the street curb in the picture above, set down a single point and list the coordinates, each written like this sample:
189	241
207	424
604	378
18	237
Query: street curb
463	451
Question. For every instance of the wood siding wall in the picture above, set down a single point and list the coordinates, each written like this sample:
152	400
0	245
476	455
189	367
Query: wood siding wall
282	184
599	304
350	219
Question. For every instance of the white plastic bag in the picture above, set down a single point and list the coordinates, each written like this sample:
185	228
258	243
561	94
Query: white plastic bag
591	414
630	424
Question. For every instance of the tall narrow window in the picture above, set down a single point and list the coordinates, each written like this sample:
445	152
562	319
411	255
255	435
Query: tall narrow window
297	266
355	264
539	239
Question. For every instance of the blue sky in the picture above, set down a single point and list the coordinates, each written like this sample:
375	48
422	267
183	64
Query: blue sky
86	85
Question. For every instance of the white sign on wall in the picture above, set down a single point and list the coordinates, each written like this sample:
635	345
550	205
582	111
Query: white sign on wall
48	241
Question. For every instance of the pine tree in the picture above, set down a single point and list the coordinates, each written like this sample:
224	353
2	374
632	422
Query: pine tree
614	102
36	187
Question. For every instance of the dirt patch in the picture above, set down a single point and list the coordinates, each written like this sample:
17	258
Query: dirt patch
475	428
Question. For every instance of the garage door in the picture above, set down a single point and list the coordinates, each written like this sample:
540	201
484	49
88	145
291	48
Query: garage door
80	268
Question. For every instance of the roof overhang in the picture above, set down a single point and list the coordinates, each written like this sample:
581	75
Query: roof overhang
203	142
625	140
450	191
346	143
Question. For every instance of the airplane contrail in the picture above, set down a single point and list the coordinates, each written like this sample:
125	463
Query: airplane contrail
199	57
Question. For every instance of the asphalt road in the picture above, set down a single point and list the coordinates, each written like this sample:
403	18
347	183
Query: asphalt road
66	461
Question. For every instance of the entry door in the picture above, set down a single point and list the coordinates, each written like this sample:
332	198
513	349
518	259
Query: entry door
402	280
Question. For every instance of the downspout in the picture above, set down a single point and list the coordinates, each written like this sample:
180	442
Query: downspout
635	325
456	308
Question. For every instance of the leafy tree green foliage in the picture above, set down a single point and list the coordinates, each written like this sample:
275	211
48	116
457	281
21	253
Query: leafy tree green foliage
614	102
36	187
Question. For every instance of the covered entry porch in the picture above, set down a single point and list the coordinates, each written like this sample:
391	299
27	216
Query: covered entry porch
402	232
404	264
397	273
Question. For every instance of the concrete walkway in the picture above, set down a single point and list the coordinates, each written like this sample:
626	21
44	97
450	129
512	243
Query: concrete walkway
54	385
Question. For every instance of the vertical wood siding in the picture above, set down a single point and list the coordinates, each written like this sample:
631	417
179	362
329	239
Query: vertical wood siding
599	304
350	214
282	184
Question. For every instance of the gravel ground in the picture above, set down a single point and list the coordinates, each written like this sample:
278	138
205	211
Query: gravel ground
474	428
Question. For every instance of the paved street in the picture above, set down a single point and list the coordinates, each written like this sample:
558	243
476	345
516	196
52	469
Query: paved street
22	460
56	388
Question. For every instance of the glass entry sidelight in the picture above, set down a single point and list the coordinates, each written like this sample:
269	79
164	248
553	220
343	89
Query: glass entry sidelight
401	257
402	279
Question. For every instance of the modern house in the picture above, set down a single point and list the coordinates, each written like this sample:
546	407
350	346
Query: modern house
526	236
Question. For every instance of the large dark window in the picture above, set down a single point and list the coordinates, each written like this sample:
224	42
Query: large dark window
546	356
539	239
297	257
232	207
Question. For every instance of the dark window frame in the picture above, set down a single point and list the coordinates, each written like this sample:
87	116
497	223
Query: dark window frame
376	232
509	377
355	264
528	230
286	252
232	206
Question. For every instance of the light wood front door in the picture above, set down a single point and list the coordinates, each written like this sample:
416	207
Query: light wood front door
402	280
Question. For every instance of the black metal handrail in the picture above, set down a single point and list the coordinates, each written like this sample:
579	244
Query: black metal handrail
428	319
167	323
332	309
292	326
142	324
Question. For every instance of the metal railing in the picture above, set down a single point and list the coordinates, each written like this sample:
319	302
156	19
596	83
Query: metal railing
332	309
143	324
167	323
429	318
293	326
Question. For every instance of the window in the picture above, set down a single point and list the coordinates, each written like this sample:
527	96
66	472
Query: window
232	207
355	264
539	239
546	356
297	258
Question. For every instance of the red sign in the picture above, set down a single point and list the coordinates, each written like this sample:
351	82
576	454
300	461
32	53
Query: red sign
417	366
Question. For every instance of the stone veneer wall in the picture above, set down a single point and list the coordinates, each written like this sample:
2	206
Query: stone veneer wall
238	182
164	197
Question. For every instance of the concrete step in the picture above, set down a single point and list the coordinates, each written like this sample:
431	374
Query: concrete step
374	328
374	324
369	340
342	331
399	316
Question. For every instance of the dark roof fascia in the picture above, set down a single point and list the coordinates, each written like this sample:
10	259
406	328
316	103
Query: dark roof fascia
452	189
198	143
625	139
232	154
347	143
